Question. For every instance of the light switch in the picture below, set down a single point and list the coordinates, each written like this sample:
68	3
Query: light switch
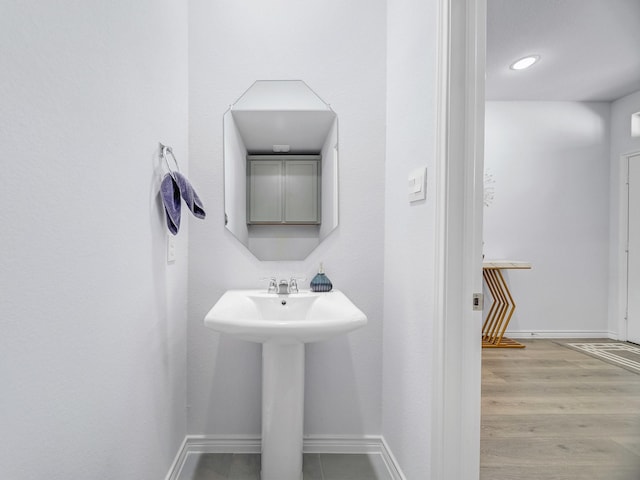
418	184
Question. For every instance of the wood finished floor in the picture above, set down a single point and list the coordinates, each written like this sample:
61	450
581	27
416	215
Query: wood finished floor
549	412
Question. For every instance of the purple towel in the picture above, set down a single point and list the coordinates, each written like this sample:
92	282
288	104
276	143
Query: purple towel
173	186
189	195
171	199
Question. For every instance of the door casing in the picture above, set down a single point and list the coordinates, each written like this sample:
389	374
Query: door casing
619	288
455	440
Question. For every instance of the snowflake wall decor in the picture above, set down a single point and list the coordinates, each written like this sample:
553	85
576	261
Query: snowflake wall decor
489	190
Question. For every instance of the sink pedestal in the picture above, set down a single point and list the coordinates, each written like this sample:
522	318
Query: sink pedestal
282	410
283	324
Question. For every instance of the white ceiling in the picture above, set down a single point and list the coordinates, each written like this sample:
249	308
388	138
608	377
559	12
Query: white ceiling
282	112
304	132
590	49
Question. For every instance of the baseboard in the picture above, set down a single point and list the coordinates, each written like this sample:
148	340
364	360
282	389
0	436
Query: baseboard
524	334
392	464
615	336
365	444
178	462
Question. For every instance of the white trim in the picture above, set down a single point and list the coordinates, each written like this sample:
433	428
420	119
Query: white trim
367	444
178	462
349	444
438	399
524	334
620	290
342	444
223	443
455	433
390	461
614	336
196	444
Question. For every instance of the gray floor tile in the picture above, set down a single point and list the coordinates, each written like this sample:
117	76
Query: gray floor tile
353	467
212	467
227	466
311	469
245	467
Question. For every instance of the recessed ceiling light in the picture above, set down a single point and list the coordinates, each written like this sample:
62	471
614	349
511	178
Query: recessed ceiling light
525	62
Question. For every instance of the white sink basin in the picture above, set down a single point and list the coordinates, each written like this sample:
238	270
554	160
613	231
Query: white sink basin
283	324
304	317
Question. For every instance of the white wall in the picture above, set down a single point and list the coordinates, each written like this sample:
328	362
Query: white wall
621	143
409	257
92	343
550	164
338	49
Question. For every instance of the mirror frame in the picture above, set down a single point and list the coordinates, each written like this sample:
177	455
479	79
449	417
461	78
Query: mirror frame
307	125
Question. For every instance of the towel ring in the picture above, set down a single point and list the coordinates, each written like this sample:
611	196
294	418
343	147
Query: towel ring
164	149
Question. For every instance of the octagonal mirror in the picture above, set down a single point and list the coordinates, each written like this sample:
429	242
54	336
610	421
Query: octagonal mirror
280	169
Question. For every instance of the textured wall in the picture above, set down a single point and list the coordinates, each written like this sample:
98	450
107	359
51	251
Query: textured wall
92	349
409	234
550	164
338	49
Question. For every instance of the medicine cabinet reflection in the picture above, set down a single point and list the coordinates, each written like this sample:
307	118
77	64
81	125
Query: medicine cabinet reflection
280	169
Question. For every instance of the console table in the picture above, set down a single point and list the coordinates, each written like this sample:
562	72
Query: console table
503	305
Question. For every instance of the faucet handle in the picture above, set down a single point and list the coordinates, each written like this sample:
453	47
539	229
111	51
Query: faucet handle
293	283
273	284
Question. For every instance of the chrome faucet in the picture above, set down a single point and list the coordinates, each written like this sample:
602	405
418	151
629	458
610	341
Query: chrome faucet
283	287
273	285
293	284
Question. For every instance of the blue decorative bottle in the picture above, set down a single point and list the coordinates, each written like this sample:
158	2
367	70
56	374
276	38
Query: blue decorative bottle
321	283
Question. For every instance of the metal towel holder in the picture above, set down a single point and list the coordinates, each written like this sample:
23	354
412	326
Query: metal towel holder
164	149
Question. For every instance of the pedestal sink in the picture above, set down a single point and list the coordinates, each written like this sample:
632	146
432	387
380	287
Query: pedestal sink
283	324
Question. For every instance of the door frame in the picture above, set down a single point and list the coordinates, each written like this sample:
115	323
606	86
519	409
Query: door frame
455	439
620	288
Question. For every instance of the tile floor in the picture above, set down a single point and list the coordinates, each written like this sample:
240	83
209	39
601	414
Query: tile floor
237	466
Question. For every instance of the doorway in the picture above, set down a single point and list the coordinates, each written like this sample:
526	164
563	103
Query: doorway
633	248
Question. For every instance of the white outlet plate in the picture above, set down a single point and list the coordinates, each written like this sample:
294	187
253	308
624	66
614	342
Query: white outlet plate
171	248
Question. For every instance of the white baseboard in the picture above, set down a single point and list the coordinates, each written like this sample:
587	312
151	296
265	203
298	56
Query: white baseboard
524	334
392	464
365	444
615	336
178	462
